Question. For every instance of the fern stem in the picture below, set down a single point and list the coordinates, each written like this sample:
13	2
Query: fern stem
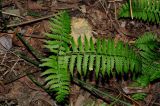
31	77
3	24
131	12
26	58
97	92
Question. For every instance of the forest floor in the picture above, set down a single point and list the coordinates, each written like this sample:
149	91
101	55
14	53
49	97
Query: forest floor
97	18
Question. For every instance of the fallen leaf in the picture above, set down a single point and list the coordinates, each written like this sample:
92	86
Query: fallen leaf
5	43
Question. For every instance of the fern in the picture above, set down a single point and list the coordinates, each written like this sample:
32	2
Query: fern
104	57
149	46
146	10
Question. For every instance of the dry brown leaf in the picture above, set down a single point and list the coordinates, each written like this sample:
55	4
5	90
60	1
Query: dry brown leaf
5	43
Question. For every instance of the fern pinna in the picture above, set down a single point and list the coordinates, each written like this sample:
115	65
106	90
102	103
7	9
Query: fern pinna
146	10
105	57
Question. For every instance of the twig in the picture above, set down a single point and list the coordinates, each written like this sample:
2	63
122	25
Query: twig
115	10
12	69
35	63
97	92
156	104
4	57
131	99
30	75
114	102
19	76
6	70
130	3
115	1
12	14
32	21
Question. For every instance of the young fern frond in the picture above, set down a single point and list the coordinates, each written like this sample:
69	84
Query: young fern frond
146	10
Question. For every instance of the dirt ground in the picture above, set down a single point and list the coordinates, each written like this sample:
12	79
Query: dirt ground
31	17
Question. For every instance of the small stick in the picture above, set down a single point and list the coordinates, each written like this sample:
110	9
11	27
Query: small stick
12	14
4	57
115	1
115	10
29	22
26	73
131	99
130	3
12	69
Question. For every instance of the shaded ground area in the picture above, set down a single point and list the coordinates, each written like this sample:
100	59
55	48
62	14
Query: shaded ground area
97	18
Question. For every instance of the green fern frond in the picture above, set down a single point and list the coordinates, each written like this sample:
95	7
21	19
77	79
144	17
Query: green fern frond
146	10
148	47
58	78
105	57
147	41
139	96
